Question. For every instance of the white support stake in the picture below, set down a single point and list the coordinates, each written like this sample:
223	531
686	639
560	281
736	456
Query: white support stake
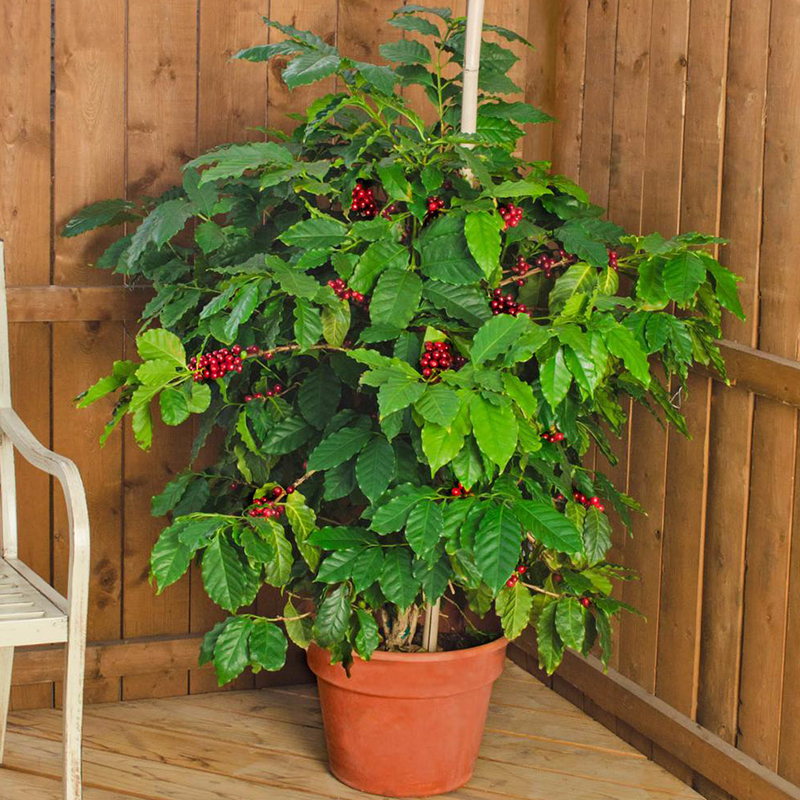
469	123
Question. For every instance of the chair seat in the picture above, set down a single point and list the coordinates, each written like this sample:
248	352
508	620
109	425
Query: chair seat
26	615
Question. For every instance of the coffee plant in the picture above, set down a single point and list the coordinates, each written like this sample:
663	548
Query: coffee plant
409	339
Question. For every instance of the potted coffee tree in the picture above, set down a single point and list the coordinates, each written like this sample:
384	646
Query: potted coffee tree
409	338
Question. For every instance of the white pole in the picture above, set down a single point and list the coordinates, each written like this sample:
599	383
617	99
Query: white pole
469	121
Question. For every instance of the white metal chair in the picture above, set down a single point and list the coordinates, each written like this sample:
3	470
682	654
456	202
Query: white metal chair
31	611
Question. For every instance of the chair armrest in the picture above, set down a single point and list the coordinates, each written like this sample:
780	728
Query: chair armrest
60	467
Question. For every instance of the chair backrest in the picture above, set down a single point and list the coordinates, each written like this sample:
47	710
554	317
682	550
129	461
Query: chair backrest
5	368
8	483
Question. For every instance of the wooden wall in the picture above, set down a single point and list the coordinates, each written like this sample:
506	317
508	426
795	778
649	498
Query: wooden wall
108	98
684	115
675	114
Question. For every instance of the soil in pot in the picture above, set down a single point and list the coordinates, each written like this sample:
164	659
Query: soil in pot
407	724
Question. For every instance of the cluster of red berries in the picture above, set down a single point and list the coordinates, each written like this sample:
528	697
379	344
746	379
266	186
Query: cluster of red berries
511	214
506	304
273	392
217	364
439	356
557	436
343	293
364	201
268	508
613	260
547	262
518	573
595	501
434	206
390	210
460	491
521	268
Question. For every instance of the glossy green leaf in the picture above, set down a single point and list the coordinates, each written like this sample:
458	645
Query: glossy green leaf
338	447
596	535
375	467
424	527
367	638
497	546
267	645
307	324
549	526
396	579
514	605
224	575
495	337
439	404
333	617
482	229
319	395
683	276
396	298
495	429
231	650
571	622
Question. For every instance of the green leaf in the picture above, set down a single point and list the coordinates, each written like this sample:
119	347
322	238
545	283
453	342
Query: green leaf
174	407
394	181
319	395
438	405
244	305
336	323
482	229
406	51
382	78
578	279
589	239
375	467
411	8
161	344
445	253
495	429
231	651
310	67
549	644
522	394
157	372
466	303
367	568
319	232
298	627
397	579
304	522
367	638
582	367
596	535
106	212
548	526
293	281
571	622
441	445
257	550
338	448
288	435
338	566
725	283
267	645
169	559
519	112
342	538
204	197
623	344
141	420
399	392
408	22
279	570
164	221
683	276
556	378
170	497
234	160
377	258
340	481
209	237
224	576
497	546
333	617
495	337
468	464
424	527
307	324
514	605
392	516
396	298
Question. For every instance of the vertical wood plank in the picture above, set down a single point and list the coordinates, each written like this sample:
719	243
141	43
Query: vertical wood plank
25	221
731	426
89	166
598	98
162	132
775	427
570	67
232	103
540	77
319	16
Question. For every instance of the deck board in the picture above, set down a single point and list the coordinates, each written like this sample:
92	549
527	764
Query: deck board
269	743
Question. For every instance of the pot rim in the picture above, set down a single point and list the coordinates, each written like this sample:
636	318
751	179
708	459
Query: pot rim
438	656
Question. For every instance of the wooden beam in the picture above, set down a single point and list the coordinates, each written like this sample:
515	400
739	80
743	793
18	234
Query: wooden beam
705	753
76	303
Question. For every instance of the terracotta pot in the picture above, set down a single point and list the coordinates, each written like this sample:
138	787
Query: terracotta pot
407	724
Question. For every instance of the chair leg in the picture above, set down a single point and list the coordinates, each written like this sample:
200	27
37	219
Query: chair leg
6	662
73	716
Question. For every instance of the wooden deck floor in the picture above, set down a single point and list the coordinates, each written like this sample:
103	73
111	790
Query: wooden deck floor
268	744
